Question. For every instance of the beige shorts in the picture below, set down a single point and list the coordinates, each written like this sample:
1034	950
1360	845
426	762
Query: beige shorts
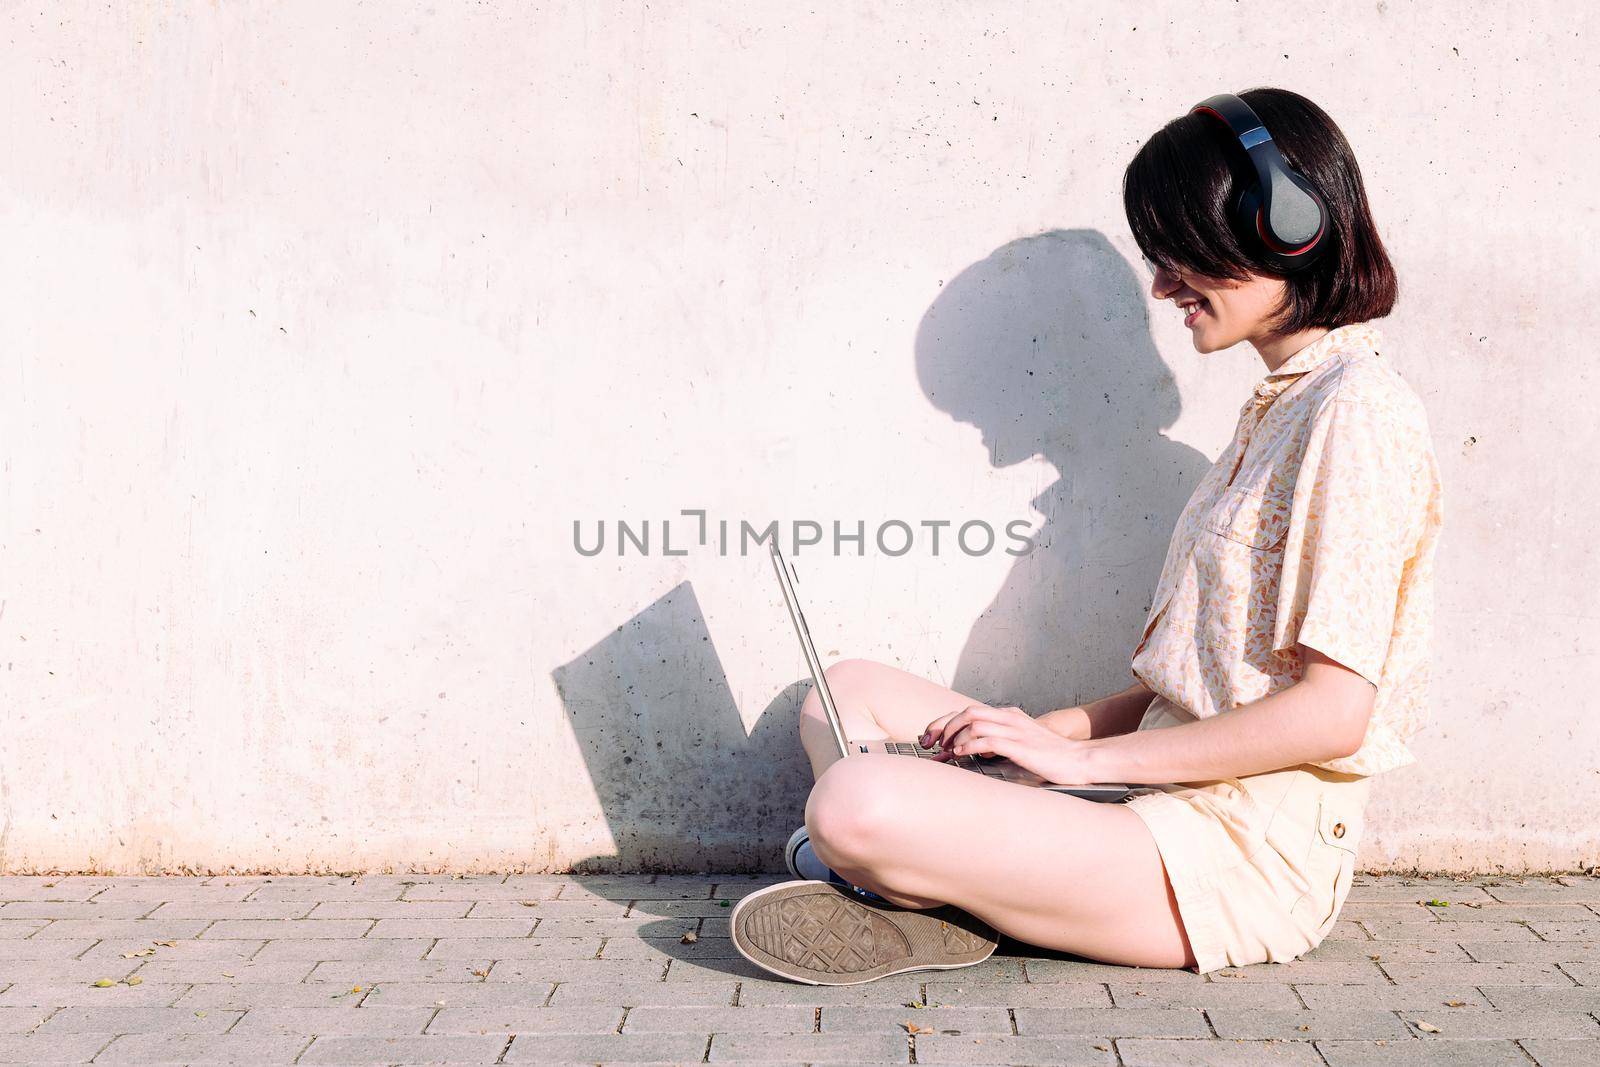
1260	865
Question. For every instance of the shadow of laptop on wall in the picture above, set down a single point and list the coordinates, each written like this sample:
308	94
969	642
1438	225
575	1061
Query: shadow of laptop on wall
667	754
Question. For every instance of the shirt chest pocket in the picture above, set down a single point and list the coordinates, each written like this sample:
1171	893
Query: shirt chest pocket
1249	516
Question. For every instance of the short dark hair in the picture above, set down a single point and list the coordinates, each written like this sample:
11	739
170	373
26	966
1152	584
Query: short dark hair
1177	189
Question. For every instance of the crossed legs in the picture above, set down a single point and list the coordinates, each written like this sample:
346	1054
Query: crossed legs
1046	868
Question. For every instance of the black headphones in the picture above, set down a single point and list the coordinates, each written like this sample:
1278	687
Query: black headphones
1280	210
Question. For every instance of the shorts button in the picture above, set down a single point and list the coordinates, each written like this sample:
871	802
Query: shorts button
1338	829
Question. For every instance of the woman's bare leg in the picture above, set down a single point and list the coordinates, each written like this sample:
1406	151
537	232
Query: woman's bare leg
1046	868
876	701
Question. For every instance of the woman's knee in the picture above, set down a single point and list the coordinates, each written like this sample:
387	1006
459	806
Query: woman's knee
851	812
842	677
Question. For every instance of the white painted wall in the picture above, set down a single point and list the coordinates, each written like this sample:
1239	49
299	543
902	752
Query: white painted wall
324	322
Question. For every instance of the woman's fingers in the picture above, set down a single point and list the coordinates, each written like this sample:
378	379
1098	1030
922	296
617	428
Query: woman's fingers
948	723
979	738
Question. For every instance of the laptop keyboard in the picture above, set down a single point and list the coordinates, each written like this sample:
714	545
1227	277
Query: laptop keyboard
970	763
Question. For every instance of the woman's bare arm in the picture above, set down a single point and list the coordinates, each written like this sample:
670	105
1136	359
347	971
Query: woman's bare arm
1118	713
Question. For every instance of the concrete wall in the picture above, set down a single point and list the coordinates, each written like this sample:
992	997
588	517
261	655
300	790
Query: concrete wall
324	323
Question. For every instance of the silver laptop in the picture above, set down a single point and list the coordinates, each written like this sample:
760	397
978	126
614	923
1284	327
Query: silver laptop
993	766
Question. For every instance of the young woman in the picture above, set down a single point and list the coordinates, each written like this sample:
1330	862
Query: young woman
1284	659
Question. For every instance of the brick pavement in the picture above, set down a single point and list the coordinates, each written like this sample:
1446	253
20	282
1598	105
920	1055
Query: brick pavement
596	969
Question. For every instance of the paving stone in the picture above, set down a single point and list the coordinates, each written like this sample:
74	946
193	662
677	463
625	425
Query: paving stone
709	970
390	909
1515	913
437	928
1306	1025
59	948
688	1019
340	1021
255	970
607	1048
677	909
470	995
203	1048
319	889
466	891
858	1019
895	989
1169	1052
1482	1024
176	889
16	929
1519	998
814	1048
1303	970
64	972
629	888
1347	929
1583	973
147	994
75	909
146	930
613	926
1383	930
1563	931
440	1048
1264	995
1058	970
1407	995
702	948
518	948
177	951
250	995
1387	949
956	993
288	929
638	994
509	1019
370	972
1413	1053
543	909
1550	1053
514	970
975	1048
232	909
1537	952
1480	973
1551	891
30	887
22	1019
346	948
1389	910
1111	1022
139	1020
1410	894
60	1048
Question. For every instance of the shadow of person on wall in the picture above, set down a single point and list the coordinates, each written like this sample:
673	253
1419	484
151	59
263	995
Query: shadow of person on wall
1045	347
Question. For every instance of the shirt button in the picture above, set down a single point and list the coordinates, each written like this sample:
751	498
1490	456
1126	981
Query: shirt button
1338	829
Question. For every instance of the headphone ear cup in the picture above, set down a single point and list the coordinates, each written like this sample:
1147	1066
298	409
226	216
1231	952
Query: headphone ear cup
1252	224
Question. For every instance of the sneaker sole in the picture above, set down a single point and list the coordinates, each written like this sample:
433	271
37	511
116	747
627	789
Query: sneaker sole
821	933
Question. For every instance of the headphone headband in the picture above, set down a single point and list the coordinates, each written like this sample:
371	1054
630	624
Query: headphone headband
1281	210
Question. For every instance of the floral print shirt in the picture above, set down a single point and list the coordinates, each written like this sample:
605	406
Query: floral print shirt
1317	525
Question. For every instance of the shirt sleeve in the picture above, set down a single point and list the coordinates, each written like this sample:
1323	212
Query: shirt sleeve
1346	547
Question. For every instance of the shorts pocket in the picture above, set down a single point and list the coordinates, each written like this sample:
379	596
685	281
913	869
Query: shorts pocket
1249	517
1332	864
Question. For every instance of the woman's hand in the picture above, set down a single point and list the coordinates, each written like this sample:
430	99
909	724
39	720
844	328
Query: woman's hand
981	730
